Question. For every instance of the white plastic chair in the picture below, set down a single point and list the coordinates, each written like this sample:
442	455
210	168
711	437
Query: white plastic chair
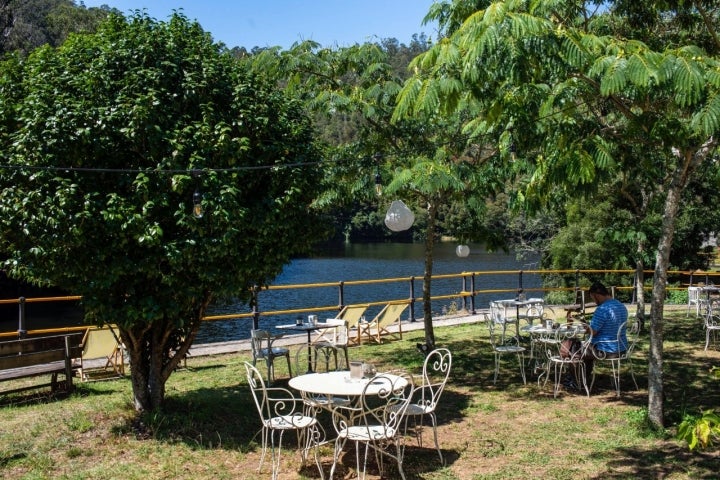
503	345
261	342
632	333
375	421
436	370
280	411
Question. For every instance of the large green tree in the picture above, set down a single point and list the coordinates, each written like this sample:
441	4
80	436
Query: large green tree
575	83
107	140
427	161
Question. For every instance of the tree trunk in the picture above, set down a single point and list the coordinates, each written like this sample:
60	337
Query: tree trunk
687	162
427	278
154	351
639	290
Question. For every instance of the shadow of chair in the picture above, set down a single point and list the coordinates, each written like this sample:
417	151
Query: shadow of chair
102	343
280	411
261	342
435	373
377	328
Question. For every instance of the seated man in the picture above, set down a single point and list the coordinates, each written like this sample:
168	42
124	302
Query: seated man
605	322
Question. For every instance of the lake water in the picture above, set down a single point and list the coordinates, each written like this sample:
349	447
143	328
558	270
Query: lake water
367	262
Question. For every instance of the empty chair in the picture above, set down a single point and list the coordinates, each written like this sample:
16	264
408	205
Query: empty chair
503	345
374	422
320	358
436	370
261	342
500	316
352	314
631	331
693	299
377	328
103	343
332	340
280	411
712	326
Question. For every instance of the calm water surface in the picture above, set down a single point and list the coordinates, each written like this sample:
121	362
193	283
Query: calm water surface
367	262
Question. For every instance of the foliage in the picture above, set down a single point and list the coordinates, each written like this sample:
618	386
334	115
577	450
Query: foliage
701	432
28	24
581	104
106	140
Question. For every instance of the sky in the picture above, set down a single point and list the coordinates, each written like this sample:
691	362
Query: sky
267	23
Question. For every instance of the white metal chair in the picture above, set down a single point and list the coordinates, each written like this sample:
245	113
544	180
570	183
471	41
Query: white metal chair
261	342
632	333
693	299
567	355
712	327
375	421
503	345
500	316
330	340
436	370
280	411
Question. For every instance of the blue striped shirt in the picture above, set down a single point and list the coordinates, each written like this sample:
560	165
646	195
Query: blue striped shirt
606	320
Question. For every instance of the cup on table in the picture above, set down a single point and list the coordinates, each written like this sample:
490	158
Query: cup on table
312	319
549	324
356	370
298	321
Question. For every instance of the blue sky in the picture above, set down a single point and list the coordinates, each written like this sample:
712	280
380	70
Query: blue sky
265	23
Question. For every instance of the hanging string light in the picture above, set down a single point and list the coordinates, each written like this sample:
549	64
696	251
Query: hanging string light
378	179
197	209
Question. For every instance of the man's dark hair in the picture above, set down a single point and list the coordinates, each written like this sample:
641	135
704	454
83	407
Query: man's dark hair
599	288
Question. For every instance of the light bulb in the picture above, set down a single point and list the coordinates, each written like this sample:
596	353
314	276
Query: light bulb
197	205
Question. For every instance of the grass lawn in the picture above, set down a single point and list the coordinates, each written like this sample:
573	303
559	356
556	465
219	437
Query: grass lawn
505	431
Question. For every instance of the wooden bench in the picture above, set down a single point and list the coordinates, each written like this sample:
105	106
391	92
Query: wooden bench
29	357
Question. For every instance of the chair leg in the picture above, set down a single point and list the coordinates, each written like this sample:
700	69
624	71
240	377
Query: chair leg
287	357
497	367
521	359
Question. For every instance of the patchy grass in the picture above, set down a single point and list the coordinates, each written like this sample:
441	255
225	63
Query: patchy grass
208	428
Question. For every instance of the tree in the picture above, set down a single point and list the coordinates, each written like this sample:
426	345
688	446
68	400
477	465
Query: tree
425	160
572	91
109	140
28	24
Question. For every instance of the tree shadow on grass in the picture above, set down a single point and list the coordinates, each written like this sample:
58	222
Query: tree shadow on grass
639	463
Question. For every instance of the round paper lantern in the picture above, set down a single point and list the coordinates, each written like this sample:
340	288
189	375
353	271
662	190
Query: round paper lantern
399	217
462	251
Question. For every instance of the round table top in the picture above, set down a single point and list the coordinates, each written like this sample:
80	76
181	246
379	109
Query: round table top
340	383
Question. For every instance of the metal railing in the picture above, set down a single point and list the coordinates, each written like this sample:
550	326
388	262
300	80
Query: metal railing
467	294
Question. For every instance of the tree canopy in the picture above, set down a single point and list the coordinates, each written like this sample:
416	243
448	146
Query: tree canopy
108	139
573	94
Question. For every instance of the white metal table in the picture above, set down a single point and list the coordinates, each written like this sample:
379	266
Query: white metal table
309	328
339	384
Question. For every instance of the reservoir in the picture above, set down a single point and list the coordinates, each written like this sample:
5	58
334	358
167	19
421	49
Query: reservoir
366	262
